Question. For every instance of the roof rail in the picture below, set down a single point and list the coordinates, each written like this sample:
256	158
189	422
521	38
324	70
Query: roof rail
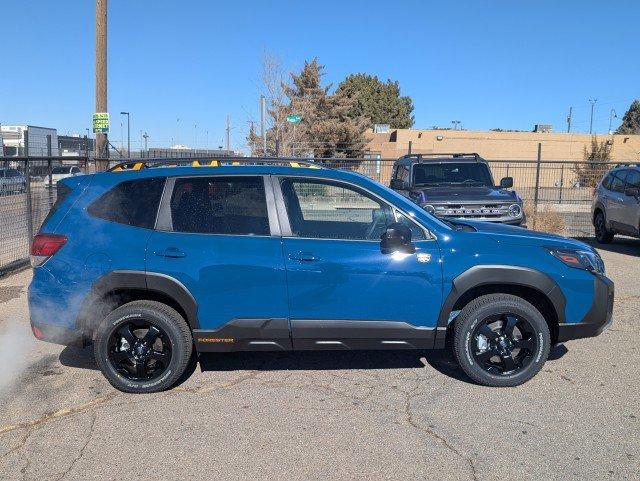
225	161
454	155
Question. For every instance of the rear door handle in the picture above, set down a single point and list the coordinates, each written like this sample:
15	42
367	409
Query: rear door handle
172	253
303	257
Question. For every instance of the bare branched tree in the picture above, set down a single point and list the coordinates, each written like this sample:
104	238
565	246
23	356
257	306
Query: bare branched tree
590	172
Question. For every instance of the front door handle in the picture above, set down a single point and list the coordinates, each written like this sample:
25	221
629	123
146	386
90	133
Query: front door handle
303	257
172	253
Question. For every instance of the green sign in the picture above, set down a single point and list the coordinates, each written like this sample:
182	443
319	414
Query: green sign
294	119
101	123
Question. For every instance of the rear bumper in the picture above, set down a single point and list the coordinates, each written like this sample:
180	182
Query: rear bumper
598	318
57	335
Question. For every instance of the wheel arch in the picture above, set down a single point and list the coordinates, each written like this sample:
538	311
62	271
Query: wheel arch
120	287
534	286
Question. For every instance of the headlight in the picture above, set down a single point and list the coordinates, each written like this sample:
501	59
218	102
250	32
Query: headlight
429	208
580	259
515	210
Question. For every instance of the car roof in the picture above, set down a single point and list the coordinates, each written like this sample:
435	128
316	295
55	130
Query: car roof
244	167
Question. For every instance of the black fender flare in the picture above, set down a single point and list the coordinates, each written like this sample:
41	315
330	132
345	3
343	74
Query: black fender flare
480	275
119	280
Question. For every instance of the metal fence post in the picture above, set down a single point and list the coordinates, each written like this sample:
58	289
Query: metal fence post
27	173
50	170
561	184
410	145
537	188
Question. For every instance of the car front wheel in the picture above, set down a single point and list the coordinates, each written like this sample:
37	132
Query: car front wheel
603	235
143	347
501	340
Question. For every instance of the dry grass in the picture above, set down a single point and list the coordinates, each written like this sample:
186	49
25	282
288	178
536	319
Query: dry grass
544	219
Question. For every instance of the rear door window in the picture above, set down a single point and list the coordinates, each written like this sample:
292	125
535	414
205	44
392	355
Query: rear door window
133	202
220	205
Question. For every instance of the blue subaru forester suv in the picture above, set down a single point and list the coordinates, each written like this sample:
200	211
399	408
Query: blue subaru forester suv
154	264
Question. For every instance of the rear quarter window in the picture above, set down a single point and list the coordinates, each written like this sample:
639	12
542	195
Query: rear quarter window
133	202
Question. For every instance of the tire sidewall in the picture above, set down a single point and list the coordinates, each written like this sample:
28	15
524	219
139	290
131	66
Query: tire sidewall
126	314
603	235
465	345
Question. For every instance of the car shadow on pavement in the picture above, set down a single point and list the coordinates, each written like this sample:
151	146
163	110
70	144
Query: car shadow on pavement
441	360
620	245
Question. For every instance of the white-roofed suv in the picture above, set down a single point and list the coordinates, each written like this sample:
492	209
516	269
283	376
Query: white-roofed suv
616	204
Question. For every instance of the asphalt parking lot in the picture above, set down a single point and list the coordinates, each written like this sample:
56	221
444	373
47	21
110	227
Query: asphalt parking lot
366	415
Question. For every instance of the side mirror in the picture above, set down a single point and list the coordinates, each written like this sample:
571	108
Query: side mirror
399	184
397	238
506	182
632	192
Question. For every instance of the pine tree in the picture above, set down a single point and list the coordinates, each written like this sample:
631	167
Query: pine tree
631	120
380	102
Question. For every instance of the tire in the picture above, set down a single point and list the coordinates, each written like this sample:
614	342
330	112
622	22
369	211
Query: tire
501	340
603	235
143	347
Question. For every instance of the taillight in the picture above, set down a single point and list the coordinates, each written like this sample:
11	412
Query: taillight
44	246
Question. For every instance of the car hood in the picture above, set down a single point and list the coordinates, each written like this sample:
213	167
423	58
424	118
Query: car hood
506	234
459	194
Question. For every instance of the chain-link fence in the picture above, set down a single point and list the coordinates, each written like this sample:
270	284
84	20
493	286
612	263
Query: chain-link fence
557	194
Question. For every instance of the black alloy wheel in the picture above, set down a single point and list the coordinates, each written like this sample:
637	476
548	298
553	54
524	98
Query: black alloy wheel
139	350
504	344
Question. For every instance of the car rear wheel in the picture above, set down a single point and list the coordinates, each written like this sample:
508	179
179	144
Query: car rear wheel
603	235
501	340
143	347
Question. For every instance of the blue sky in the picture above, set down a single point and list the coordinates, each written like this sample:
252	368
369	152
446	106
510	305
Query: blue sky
487	63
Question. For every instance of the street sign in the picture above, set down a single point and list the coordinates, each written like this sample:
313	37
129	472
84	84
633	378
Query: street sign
101	123
294	119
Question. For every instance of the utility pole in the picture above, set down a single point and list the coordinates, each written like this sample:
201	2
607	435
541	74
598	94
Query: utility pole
611	116
145	137
178	133
455	124
228	130
195	144
263	132
569	119
593	103
102	150
128	133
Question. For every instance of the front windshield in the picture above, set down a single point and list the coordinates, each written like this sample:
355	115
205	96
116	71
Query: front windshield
451	173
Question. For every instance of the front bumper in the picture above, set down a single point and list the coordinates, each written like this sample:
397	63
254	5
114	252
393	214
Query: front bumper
598	318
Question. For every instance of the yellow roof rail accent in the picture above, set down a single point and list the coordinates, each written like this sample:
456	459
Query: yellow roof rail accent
117	169
315	167
137	166
294	164
235	163
195	163
213	163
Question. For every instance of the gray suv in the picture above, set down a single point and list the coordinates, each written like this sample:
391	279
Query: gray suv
616	205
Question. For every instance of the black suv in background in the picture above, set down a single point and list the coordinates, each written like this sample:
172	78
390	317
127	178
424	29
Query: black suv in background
457	186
